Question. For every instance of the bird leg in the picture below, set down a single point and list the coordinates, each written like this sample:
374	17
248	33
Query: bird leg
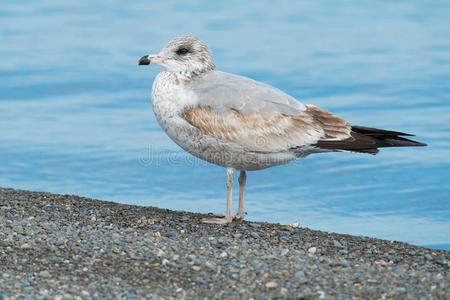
242	180
229	215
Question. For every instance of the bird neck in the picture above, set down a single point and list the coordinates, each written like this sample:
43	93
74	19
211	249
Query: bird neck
187	75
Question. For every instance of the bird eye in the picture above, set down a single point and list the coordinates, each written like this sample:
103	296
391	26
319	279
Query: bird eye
182	51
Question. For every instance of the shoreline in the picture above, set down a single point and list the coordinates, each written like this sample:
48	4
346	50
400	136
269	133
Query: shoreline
61	246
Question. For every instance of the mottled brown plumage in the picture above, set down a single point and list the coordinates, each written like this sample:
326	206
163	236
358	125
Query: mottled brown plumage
267	132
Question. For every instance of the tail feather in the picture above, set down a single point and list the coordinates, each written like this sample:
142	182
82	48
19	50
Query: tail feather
368	140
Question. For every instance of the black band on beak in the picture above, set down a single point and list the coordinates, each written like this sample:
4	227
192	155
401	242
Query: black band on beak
144	60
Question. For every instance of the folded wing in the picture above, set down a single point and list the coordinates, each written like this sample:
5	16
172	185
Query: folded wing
269	133
259	117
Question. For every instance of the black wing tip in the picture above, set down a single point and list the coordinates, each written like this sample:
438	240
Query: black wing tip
398	141
376	131
368	140
394	136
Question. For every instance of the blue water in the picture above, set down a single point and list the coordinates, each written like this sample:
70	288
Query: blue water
76	117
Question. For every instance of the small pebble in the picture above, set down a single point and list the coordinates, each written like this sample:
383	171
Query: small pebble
337	244
271	285
26	247
312	250
300	277
210	266
85	293
344	263
254	234
45	273
382	263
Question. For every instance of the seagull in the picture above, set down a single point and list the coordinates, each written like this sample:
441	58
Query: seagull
243	124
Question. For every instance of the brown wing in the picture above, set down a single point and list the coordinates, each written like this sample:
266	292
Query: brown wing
269	132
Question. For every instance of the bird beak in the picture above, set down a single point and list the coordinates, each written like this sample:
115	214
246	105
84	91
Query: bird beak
144	60
150	59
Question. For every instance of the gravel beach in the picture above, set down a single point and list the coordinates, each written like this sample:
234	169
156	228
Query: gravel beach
66	247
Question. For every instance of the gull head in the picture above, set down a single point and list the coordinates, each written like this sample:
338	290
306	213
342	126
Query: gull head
186	54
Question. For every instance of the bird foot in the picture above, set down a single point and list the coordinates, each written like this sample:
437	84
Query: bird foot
240	215
220	221
223	220
214	215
